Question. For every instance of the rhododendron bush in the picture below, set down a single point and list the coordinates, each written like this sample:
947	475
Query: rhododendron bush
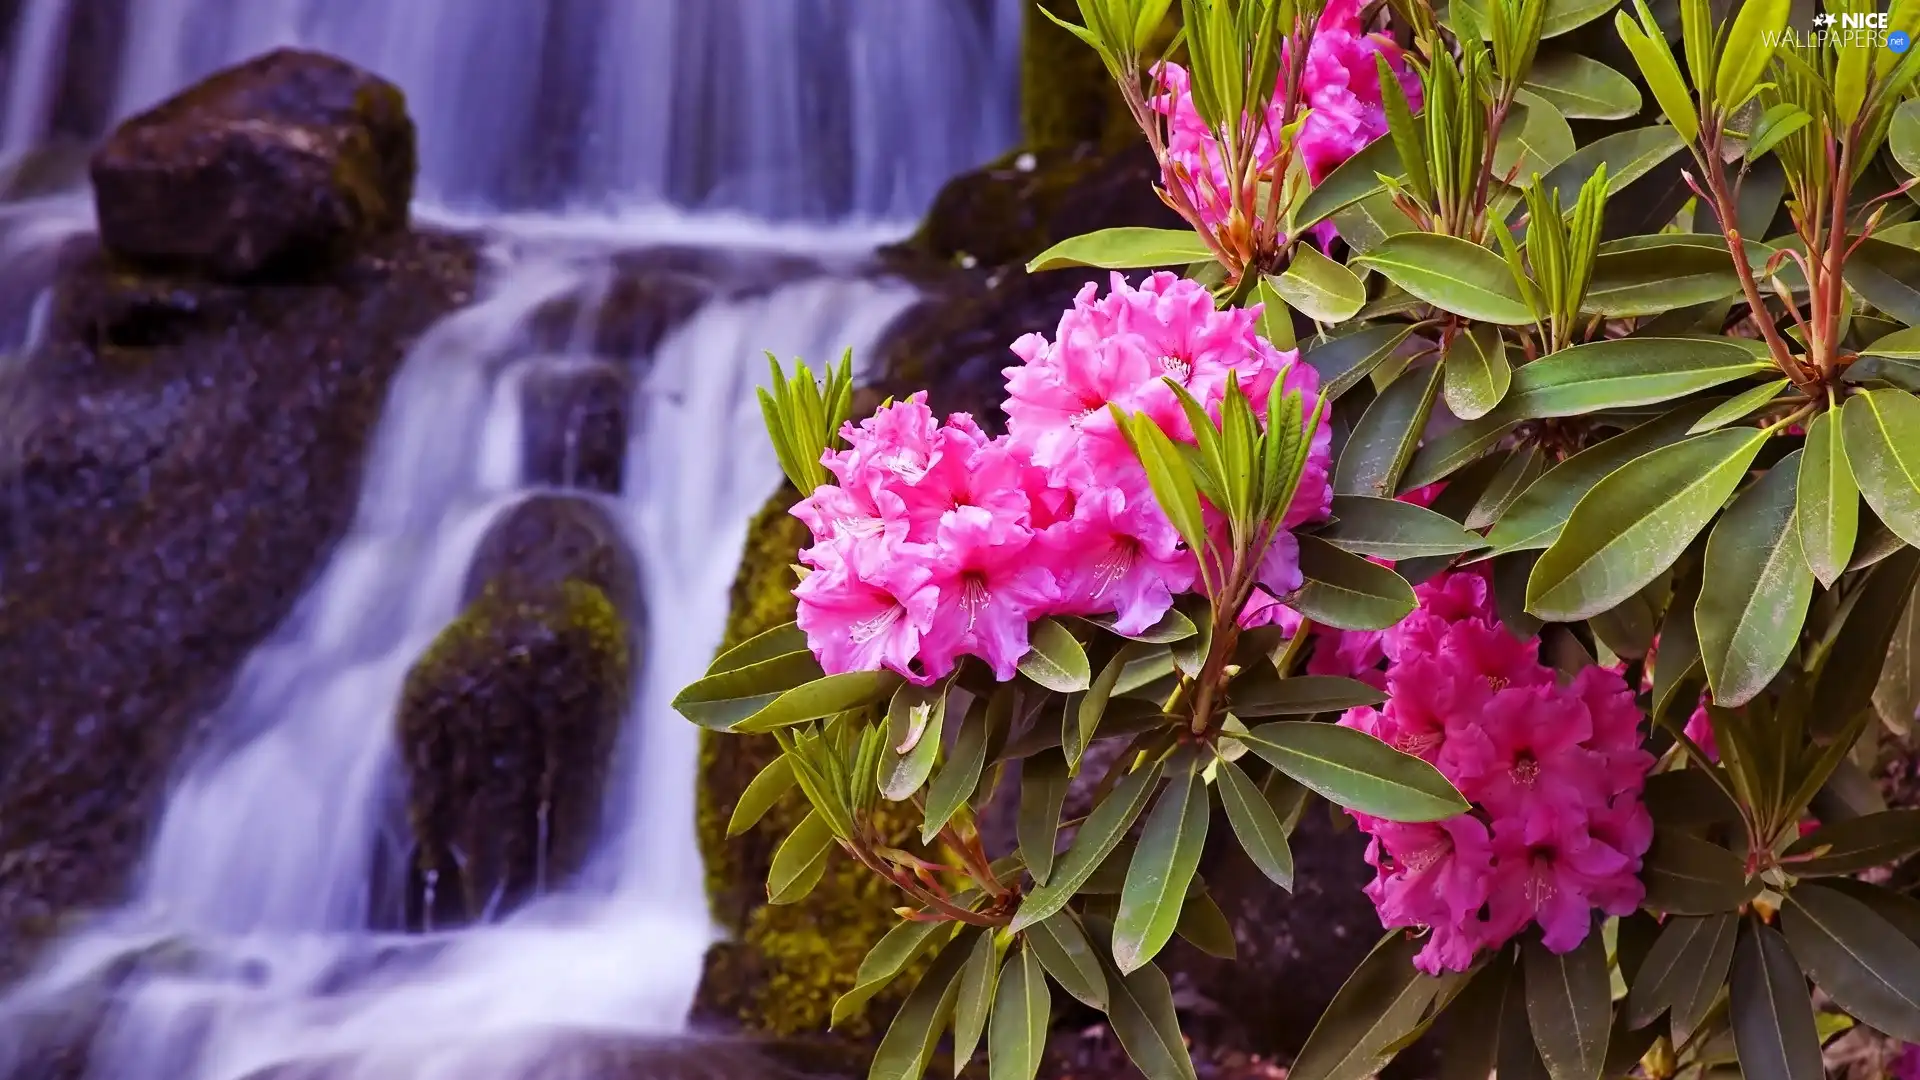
1517	453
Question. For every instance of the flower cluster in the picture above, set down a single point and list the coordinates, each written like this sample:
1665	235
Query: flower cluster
1342	92
1554	772
939	541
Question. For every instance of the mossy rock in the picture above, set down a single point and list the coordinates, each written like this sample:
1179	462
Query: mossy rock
548	539
1067	99
506	725
785	964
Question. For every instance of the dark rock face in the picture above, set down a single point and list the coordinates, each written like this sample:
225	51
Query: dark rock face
179	458
509	719
575	416
281	164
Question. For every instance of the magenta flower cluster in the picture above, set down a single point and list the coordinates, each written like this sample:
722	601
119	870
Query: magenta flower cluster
939	542
1554	772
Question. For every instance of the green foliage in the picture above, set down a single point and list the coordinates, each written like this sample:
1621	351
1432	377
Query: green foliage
1696	419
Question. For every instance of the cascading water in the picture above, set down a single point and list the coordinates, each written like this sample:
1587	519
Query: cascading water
257	946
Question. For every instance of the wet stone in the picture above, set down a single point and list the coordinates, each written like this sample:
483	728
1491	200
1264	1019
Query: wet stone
574	424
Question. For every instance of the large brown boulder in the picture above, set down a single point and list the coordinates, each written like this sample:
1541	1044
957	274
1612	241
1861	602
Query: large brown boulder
280	164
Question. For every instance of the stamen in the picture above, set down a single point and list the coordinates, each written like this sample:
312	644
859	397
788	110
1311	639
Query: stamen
974	598
1114	565
860	528
1177	367
1525	771
868	629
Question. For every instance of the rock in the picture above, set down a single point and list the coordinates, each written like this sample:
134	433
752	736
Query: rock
280	165
548	540
506	726
179	458
574	424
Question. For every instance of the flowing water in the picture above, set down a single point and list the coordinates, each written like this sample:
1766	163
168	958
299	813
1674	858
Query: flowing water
257	938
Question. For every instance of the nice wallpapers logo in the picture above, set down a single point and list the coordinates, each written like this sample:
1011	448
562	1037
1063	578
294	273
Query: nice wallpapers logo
1864	29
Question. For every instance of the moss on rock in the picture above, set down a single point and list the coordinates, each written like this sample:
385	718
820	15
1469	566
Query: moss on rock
1067	99
507	723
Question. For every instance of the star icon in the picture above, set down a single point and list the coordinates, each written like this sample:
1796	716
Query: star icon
1823	20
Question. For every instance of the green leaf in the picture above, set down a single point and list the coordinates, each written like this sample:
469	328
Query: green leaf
1683	972
1084	712
1383	1002
1828	517
1173	626
889	956
1843	685
1628	156
799	861
1205	927
1740	406
1859	844
1881	429
1063	949
1344	360
1056	660
1125	249
908	1045
1356	770
822	698
1584	89
1168	474
1354	179
1662	75
1535	519
957	778
1634	523
1534	141
1021	1011
1756	588
1655	278
1318	287
1570	1006
761	794
1747	51
1886	275
1264	694
1456	449
978	979
1898	910
1865	965
1098	836
1773	1029
1387	435
780	641
1686	875
914	723
1478	374
1679	657
1774	126
1142	1015
1903	137
1451	274
1624	373
1162	868
722	700
1392	529
1520	469
1346	591
1260	831
1043	790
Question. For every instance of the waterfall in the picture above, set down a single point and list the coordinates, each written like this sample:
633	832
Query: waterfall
821	109
259	872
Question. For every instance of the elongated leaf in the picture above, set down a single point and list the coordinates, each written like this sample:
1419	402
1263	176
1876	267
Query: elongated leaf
1345	360
1125	249
1881	430
722	700
1451	274
1021	1011
1848	847
1773	1028
957	778
1634	523
1655	279
1773	127
761	794
1534	138
1686	875
1356	770
1205	927
890	956
1441	457
1043	790
1570	1007
1749	48
1056	660
1387	435
1263	694
1903	137
1318	287
1685	969
1628	156
1168	474
1085	711
1584	89
915	720
1354	179
1098	836
1679	661
1163	866
1348	592
1887	275
1865	965
1740	406
1382	1003
1828	517
1535	519
1173	626
1391	529
780	641
1624	373
1063	949
1142	1014
909	1042
1477	372
1260	831
799	860
1843	686
1520	469
978	980
1756	588
822	698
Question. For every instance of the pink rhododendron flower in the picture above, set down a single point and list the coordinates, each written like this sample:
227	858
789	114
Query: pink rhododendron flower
856	622
990	587
1120	554
1553	772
